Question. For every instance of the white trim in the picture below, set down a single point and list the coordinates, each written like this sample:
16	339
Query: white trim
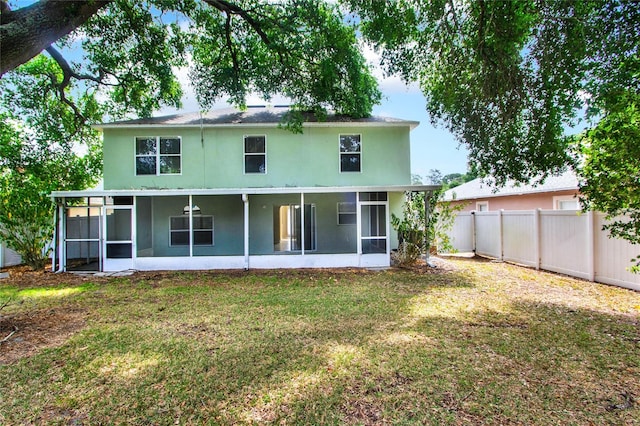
240	191
122	263
244	154
302	229
245	201
188	263
557	199
482	203
340	260
349	152
147	126
157	155
338	213
358	226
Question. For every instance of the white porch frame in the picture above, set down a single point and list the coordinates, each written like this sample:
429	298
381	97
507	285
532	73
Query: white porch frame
245	261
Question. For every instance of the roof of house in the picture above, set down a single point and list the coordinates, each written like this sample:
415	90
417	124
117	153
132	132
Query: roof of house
253	116
484	188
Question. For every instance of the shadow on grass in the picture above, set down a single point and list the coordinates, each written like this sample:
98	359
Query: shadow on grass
331	348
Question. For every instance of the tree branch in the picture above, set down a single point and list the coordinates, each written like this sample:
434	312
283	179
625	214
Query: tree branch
234	56
68	72
26	32
15	329
232	9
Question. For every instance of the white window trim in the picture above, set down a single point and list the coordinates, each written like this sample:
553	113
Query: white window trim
482	203
191	239
354	213
244	155
157	155
557	199
349	152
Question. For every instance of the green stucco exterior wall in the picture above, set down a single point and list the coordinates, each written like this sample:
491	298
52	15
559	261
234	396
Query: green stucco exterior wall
214	158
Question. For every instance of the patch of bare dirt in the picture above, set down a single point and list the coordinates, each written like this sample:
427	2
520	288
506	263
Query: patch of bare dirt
437	265
37	330
29	332
24	277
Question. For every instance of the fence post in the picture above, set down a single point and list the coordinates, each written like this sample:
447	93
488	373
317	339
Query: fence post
536	237
591	247
501	220
473	232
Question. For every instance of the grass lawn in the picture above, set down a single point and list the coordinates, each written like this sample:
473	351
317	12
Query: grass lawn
480	343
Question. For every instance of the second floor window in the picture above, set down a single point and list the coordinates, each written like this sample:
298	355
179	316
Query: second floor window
158	155
255	154
350	153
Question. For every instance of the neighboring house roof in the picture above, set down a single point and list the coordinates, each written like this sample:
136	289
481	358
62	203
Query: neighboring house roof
484	188
253	116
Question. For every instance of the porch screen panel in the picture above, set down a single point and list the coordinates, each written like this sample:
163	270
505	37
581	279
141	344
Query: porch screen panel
119	243
220	231
374	229
287	228
144	227
82	255
331	232
82	238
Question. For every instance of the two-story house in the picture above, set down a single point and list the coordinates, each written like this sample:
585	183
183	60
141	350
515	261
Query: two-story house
233	189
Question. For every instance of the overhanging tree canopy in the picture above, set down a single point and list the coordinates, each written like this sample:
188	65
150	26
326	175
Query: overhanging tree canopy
507	78
132	50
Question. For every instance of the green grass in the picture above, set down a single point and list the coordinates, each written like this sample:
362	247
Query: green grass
487	344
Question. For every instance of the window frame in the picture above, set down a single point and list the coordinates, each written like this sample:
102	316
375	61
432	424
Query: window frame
191	232
558	199
482	203
341	153
348	213
255	154
157	155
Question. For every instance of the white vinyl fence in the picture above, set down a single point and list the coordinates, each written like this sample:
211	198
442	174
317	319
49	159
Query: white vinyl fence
565	241
8	257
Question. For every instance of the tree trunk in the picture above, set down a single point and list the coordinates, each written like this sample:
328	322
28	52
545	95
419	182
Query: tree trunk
26	32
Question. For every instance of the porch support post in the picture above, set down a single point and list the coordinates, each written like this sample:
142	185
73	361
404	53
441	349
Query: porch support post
358	226
62	267
190	225
427	237
56	222
302	242
245	200
59	259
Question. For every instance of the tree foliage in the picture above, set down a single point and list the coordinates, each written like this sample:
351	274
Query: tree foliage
411	226
29	171
39	137
133	52
610	175
507	77
451	180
